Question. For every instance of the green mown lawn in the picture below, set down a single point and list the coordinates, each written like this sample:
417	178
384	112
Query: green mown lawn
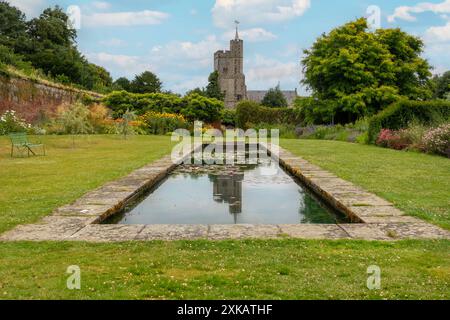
32	187
417	183
277	269
291	269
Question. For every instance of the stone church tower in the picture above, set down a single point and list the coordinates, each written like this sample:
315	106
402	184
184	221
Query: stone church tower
230	66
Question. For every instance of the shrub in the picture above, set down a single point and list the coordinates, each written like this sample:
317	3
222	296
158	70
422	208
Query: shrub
8	57
162	123
192	107
121	101
399	115
98	116
75	119
11	123
251	113
437	140
125	125
397	140
228	117
200	108
286	131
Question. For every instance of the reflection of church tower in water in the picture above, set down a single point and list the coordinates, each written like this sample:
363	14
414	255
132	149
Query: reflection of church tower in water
228	189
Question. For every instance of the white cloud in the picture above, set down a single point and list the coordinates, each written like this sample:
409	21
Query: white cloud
251	12
263	73
189	83
124	19
181	65
114	42
124	65
406	12
438	34
251	35
187	54
101	5
31	8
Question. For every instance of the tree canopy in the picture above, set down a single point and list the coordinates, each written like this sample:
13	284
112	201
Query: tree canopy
49	44
274	98
442	85
359	73
146	82
213	87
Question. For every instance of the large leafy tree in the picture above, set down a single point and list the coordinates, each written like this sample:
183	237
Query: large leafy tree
213	88
146	82
202	108
122	83
49	44
359	72
13	27
442	85
274	98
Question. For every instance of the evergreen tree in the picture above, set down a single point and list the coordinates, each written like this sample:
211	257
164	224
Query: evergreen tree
146	82
274	98
213	88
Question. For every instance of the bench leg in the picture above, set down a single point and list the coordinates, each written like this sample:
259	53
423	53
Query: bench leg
31	150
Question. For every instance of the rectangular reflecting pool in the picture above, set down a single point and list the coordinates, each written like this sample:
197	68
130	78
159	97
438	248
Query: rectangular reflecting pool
221	194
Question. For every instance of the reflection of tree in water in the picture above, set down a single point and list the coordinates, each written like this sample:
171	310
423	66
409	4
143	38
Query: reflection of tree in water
312	212
228	188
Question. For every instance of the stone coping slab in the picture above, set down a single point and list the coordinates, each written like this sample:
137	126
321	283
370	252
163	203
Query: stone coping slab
377	219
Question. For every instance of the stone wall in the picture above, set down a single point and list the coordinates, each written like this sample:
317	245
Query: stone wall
33	100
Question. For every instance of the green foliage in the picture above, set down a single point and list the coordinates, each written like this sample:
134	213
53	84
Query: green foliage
274	98
359	73
12	25
8	57
146	82
124	126
121	101
249	113
198	91
193	107
213	88
163	123
442	86
285	131
11	123
401	114
315	111
122	84
75	120
201	108
228	117
48	43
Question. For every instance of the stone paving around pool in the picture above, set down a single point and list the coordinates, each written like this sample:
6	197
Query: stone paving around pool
376	218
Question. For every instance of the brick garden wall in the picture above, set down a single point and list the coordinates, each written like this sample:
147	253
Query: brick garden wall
33	100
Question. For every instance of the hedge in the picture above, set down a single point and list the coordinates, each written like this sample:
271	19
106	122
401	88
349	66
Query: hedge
400	114
250	113
192	107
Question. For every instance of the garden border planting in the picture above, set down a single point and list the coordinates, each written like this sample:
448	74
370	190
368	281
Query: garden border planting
81	221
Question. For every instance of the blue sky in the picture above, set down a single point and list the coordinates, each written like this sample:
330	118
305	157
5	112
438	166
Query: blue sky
177	38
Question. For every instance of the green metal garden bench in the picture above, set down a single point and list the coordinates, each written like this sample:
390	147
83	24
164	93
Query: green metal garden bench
20	143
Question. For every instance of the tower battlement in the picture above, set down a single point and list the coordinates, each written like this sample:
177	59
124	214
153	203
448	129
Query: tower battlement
230	66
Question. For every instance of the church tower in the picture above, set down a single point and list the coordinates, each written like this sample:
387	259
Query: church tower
230	66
